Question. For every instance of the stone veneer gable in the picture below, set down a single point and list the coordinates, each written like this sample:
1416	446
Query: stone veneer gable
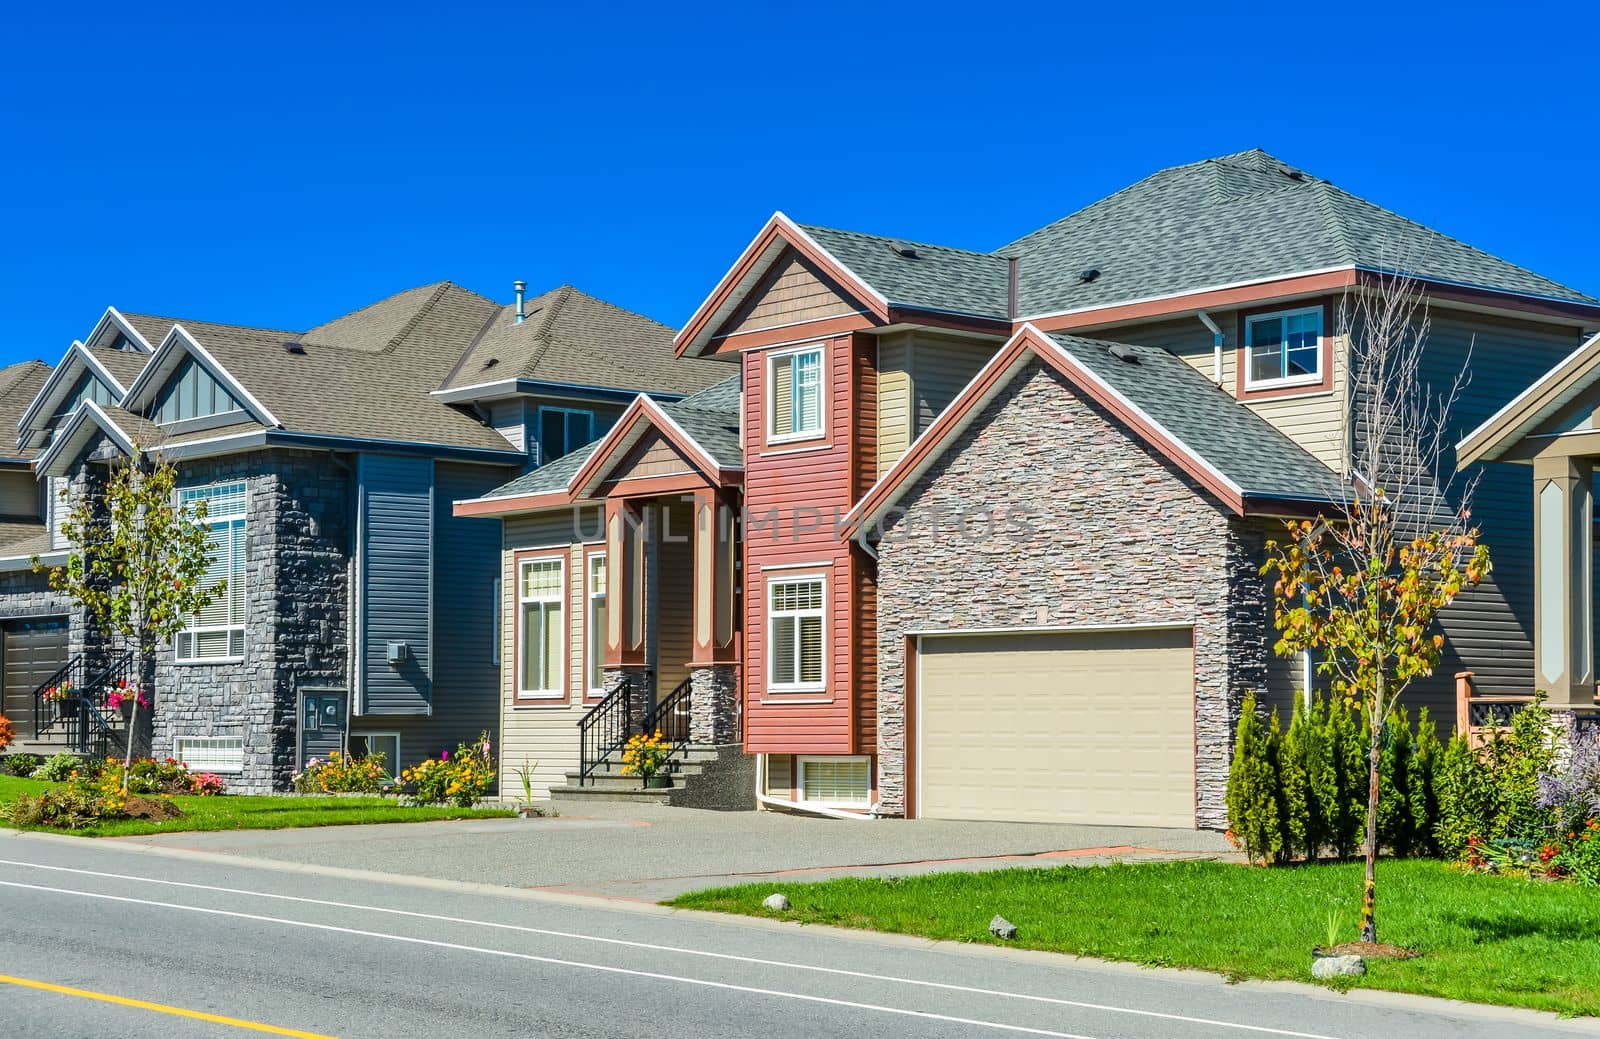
1118	536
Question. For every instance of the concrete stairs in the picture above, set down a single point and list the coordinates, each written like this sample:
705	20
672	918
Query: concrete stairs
720	778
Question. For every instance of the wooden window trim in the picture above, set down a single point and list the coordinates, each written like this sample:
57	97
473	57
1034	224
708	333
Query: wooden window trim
1302	388
769	412
520	696
791	691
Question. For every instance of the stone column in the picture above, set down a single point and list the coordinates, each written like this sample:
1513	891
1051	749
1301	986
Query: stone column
643	695
714	705
1563	510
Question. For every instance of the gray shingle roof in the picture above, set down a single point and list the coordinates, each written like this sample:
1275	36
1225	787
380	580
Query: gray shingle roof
1242	445
571	337
124	364
1235	218
552	476
19	384
939	277
23	538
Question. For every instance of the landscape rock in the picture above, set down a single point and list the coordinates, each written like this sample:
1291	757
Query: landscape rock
776	901
1000	927
1326	967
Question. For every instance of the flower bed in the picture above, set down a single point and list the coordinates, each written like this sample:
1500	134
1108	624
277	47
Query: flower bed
462	780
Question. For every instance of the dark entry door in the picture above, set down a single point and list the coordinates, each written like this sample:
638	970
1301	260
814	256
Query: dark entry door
35	648
323	717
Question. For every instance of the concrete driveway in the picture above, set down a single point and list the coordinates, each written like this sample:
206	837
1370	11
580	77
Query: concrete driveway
649	852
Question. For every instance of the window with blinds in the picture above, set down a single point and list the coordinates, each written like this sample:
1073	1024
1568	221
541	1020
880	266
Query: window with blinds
542	635
598	621
795	659
838	781
217	631
794	404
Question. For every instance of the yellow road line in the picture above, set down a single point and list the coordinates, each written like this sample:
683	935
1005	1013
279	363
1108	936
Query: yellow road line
160	1008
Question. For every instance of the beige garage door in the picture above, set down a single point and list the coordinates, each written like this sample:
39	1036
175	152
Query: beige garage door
1082	727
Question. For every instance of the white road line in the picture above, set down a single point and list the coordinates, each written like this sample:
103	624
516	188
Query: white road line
555	961
655	947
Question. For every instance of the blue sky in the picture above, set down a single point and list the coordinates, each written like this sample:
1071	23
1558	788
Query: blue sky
281	164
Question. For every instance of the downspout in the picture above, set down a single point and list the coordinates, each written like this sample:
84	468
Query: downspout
800	806
1216	345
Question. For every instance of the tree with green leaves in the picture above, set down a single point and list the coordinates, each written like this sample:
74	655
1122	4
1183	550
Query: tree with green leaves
1364	586
1299	761
1253	806
138	563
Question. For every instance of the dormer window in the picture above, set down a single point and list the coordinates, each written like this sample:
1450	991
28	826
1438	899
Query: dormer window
1283	349
795	394
122	342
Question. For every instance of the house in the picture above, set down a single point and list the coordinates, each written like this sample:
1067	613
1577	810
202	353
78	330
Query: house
1002	514
359	610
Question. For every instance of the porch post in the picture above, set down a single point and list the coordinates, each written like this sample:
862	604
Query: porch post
714	705
1563	511
626	560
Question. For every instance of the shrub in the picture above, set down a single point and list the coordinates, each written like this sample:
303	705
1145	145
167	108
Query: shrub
150	776
1466	792
23	765
1579	858
645	755
1347	815
1253	802
207	784
62	807
1519	756
7	733
59	768
342	775
462	780
1299	763
1394	784
1424	792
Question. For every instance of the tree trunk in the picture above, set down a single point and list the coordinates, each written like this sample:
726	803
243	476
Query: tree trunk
1369	890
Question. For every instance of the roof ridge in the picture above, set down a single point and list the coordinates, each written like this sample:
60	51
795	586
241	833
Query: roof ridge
405	330
899	239
575	291
1336	225
215	324
547	325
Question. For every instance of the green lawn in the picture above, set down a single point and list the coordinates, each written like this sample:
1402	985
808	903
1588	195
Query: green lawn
245	812
1486	939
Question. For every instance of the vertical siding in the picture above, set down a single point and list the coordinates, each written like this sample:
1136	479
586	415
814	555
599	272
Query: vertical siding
781	480
396	582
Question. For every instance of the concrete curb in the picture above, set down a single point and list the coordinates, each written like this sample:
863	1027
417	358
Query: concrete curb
1375	997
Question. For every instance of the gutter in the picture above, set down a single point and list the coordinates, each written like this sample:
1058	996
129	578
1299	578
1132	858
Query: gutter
512	387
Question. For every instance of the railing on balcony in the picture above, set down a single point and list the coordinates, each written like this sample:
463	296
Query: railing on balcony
74	704
1479	715
604	730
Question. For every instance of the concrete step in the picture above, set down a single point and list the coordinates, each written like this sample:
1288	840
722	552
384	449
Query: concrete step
572	796
612	781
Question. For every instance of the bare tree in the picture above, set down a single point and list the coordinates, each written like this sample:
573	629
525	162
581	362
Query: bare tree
1363	586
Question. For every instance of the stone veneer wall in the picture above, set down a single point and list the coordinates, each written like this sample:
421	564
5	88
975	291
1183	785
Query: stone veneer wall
1118	536
297	535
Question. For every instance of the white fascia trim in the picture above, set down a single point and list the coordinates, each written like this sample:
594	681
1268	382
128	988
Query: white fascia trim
635	431
1516	402
1136	301
477	391
13	564
49	393
212	445
160	367
790	230
70	435
113	318
660	414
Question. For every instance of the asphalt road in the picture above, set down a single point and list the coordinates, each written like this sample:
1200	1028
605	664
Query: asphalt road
98	939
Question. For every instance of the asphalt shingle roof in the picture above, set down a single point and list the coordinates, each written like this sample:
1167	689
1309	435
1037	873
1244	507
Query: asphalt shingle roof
938	278
1242	445
19	384
23	538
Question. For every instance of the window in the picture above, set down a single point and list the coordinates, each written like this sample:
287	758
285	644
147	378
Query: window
217	632
542	633
838	781
1283	349
794	404
562	431
210	753
598	621
366	744
794	617
498	625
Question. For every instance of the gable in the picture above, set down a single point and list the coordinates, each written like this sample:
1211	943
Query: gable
793	290
190	393
653	456
87	386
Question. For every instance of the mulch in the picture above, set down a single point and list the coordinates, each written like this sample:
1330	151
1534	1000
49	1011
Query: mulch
150	808
1372	951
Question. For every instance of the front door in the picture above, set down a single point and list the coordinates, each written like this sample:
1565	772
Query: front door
35	648
324	715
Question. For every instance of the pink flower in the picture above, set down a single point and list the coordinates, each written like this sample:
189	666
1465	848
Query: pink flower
444	755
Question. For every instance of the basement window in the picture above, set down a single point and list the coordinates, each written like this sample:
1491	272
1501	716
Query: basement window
845	782
211	753
1283	349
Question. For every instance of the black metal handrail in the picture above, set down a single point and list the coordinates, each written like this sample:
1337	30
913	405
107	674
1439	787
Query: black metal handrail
605	729
75	703
670	717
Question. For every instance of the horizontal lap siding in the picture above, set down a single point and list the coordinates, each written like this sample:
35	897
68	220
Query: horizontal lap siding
815	479
396	572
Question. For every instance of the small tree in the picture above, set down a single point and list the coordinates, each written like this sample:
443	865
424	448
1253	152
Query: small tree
1299	761
138	563
1364	586
1253	807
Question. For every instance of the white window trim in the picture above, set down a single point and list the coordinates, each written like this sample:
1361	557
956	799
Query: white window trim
522	635
593	637
821	350
242	627
392	766
179	742
798	687
800	778
545	458
1314	379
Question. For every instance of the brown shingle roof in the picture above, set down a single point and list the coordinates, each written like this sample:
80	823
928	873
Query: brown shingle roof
19	384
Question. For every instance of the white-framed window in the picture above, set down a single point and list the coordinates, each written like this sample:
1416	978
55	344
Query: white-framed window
835	781
562	431
599	620
217	632
1283	349
796	653
541	632
366	744
795	394
498	625
210	753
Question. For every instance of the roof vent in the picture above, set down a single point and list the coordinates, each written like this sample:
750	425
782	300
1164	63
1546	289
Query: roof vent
908	251
1293	174
1089	275
490	363
294	347
520	287
1124	352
